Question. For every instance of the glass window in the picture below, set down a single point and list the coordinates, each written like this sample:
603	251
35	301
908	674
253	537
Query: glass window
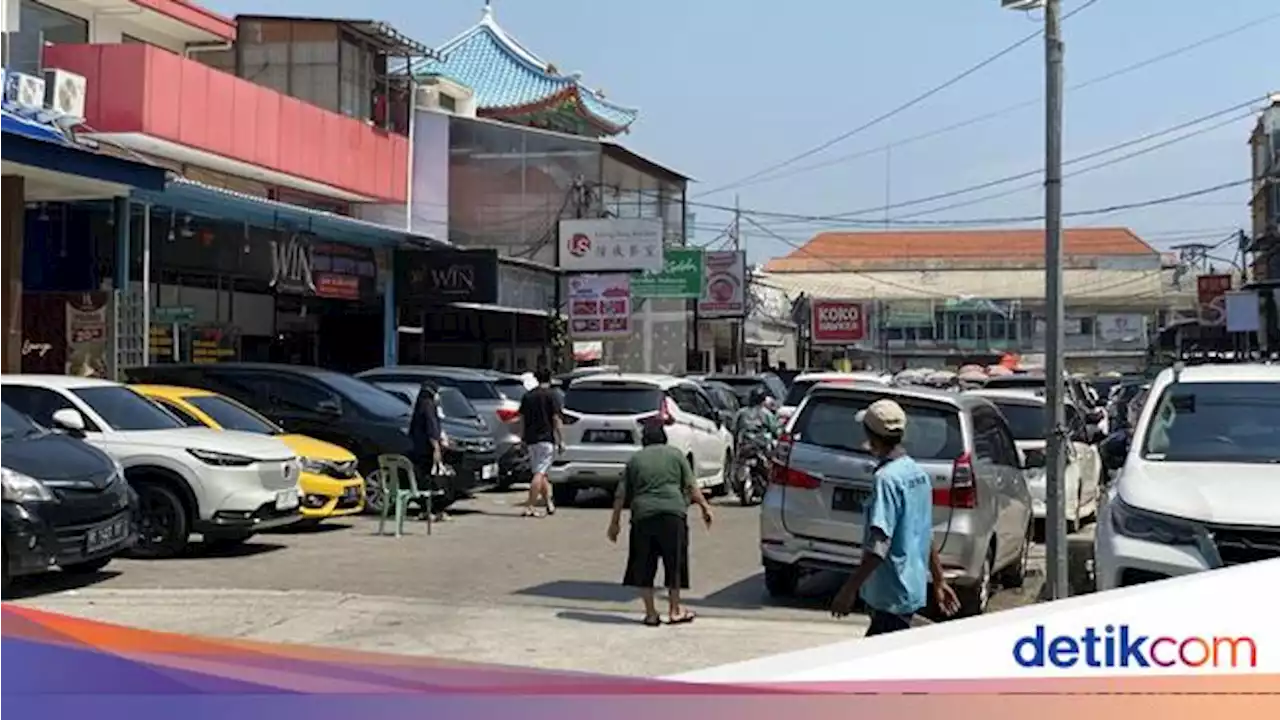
612	400
1026	421
684	399
231	415
447	103
178	411
39	404
124	409
933	431
456	405
367	396
15	424
511	389
40	25
798	390
1216	422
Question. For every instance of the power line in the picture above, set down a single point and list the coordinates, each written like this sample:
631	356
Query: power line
977	119
885	116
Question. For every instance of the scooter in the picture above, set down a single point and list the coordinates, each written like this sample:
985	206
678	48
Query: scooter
751	475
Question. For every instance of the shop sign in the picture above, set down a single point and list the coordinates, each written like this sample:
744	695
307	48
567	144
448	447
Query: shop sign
1211	292
838	322
173	314
447	276
725	279
600	305
681	277
291	265
1128	327
66	333
611	244
214	344
908	313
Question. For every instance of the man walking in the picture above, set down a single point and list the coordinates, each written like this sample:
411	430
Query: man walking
543	435
898	555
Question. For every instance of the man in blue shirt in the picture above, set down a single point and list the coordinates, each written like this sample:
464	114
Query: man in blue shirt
898	556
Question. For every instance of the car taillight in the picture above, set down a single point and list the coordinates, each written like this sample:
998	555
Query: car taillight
507	415
963	492
780	473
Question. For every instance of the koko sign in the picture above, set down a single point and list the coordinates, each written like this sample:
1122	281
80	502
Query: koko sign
446	276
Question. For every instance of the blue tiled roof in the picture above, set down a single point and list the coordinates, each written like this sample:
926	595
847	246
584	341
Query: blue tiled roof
503	74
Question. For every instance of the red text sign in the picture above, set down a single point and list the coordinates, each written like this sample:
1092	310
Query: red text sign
837	322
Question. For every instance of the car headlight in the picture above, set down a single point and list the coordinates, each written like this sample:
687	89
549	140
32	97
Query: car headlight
23	488
1142	525
318	467
218	459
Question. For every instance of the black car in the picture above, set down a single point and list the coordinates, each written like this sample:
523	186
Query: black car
469	447
724	398
322	404
66	503
743	385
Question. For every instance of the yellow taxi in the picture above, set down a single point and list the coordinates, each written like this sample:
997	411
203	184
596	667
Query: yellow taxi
330	484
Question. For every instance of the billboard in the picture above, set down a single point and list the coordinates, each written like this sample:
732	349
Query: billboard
837	322
611	244
725	282
600	306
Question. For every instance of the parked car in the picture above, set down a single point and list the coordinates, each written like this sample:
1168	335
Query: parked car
723	398
1118	402
603	416
1094	409
66	503
806	381
330	481
496	395
323	404
813	514
743	384
224	485
1198	489
1026	413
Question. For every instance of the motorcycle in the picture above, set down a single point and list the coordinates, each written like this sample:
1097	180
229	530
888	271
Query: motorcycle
751	474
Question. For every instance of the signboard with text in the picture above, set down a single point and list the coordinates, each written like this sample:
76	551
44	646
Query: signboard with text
837	322
726	280
1211	292
445	276
681	276
600	305
611	244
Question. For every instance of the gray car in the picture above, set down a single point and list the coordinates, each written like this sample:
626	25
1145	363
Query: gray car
812	517
495	395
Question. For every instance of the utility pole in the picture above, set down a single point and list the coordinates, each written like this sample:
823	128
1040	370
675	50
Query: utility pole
1056	537
740	326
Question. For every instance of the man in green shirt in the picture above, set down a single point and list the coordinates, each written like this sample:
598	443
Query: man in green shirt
658	483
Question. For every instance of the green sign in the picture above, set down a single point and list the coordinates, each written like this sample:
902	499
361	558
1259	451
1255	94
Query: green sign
681	276
173	314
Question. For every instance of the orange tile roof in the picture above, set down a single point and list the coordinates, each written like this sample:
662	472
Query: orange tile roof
830	251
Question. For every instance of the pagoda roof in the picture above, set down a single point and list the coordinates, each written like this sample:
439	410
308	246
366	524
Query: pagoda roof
508	79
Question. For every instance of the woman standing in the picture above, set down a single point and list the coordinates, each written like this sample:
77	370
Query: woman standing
658	483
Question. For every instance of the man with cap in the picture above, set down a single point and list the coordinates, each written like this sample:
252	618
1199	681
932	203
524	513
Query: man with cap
898	556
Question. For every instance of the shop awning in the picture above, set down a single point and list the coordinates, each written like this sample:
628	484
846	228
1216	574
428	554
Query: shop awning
199	198
35	144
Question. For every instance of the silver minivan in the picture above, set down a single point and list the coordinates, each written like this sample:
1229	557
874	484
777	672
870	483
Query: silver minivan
813	513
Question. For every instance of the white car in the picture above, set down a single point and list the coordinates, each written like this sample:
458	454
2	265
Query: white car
1025	412
1200	484
603	415
224	484
804	382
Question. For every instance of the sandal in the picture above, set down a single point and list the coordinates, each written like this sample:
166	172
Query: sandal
684	619
652	621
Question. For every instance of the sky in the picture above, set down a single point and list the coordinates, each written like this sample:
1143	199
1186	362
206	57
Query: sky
727	88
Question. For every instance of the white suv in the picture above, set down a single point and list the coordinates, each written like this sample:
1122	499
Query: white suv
225	485
602	422
1200	485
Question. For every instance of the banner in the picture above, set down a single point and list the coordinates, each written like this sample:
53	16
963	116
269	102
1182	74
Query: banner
1211	291
1121	328
681	276
838	322
611	244
446	276
600	305
66	333
724	292
908	313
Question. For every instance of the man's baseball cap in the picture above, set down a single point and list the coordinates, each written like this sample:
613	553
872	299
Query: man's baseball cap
884	418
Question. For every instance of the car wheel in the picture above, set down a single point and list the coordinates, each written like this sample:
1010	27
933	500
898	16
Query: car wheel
373	496
162	524
726	473
87	568
975	598
781	580
1015	576
564	495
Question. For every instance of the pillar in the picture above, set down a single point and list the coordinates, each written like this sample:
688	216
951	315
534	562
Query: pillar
124	222
11	239
390	324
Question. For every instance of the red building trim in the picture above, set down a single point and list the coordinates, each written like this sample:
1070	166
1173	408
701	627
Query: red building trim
140	89
188	13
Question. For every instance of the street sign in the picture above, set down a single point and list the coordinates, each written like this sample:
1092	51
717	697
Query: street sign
681	276
173	314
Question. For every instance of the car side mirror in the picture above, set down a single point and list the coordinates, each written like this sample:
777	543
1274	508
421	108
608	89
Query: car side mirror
1035	459
70	420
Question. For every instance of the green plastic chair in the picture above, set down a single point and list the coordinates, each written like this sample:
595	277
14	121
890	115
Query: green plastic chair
396	495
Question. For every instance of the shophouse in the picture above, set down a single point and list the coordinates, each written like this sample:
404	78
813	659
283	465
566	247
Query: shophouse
505	147
276	131
948	298
1264	146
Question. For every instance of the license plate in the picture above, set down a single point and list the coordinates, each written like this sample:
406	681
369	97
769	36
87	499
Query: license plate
489	472
607	436
849	499
106	535
351	492
287	499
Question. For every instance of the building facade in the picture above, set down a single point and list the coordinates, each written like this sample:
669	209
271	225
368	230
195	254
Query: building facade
949	298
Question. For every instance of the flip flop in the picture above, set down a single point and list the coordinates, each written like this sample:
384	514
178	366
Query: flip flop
653	621
684	619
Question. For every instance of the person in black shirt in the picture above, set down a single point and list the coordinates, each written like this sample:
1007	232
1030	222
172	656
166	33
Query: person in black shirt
543	436
425	433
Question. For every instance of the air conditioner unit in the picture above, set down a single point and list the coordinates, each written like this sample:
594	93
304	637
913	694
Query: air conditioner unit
25	91
64	96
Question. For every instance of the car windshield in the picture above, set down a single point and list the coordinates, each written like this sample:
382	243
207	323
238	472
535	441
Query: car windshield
369	397
799	389
612	399
123	409
231	415
16	425
1026	421
742	386
933	431
456	405
1215	422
